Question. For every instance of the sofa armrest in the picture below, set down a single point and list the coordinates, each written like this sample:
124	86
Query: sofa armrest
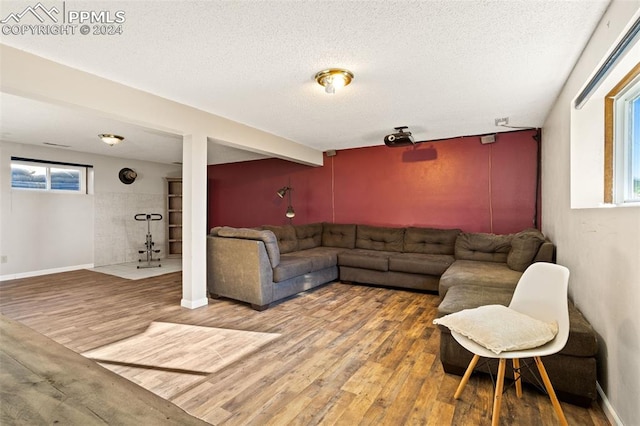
239	269
267	237
546	253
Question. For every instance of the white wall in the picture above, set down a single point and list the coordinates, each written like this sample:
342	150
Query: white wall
43	232
30	76
118	237
587	130
601	246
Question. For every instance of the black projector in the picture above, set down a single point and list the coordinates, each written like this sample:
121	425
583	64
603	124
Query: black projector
400	138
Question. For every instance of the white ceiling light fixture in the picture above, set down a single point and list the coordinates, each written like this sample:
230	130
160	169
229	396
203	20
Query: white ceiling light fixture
110	139
334	78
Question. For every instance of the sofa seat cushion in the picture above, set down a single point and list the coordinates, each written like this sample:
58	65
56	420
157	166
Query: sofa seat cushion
291	266
321	257
418	263
463	297
469	272
365	259
582	338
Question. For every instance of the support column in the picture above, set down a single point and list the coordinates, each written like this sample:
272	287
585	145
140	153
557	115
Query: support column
194	221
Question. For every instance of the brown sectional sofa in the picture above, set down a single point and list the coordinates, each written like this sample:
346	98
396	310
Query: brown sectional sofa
263	265
413	258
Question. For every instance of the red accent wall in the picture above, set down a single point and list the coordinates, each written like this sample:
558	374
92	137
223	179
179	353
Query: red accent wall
454	183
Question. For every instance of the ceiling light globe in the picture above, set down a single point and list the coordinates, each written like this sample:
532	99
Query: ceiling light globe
330	88
339	81
110	139
333	78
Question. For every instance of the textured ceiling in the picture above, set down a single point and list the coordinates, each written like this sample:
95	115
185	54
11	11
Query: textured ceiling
443	68
36	123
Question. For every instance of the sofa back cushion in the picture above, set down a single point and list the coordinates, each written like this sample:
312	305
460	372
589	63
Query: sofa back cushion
267	237
524	247
286	236
309	236
483	247
338	235
379	238
430	241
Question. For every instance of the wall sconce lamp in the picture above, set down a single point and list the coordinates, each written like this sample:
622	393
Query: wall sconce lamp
281	193
110	139
333	78
290	213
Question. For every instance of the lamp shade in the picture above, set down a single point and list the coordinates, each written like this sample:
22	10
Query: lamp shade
290	212
282	191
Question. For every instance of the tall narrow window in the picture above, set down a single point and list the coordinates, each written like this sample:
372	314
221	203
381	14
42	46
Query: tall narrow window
622	140
631	187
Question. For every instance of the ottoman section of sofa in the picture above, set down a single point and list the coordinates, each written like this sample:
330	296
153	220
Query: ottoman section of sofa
474	272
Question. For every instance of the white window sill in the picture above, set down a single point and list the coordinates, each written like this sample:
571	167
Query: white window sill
623	205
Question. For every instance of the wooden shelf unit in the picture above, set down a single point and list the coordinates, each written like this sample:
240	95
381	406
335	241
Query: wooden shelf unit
174	217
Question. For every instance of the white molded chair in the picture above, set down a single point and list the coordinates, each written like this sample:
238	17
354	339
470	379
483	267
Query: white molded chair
541	293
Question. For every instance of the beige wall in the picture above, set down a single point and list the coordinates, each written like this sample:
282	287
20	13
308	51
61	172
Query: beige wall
601	246
44	232
30	76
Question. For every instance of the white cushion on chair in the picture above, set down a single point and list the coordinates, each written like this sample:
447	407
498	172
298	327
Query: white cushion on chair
499	328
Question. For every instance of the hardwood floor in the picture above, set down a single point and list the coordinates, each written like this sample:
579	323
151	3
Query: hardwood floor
348	354
45	383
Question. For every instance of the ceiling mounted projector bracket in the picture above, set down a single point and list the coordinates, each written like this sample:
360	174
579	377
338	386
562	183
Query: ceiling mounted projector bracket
400	138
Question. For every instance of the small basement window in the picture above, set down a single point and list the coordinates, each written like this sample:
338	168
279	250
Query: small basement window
622	140
39	175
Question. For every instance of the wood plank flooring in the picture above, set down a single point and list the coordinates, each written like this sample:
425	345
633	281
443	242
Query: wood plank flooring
348	354
45	383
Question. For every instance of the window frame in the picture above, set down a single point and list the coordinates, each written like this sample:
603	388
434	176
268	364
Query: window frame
48	165
617	143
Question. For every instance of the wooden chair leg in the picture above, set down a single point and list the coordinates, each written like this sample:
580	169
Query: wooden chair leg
516	377
466	376
550	391
497	399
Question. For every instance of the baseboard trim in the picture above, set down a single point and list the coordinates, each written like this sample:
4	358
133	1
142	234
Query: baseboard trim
30	274
193	304
611	414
